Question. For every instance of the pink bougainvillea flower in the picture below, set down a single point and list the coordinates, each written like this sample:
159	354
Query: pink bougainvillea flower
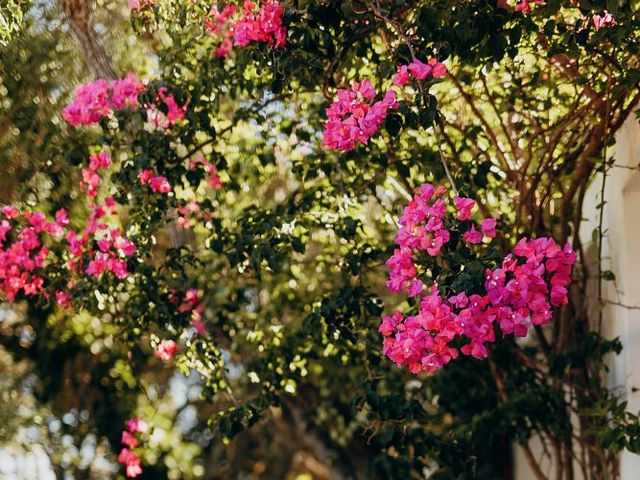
520	292
175	113
91	180
524	6
62	219
129	439
215	21
124	245
140	4
257	23
93	101
389	324
160	184
166	349
136	424
353	117
415	288
131	462
402	77
10	211
472	235
464	207
419	70
63	298
214	180
90	105
489	227
263	26
125	91
24	254
145	176
90	177
190	300
199	327
604	20
438	69
5	227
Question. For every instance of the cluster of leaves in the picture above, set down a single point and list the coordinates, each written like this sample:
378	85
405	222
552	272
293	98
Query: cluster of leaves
11	13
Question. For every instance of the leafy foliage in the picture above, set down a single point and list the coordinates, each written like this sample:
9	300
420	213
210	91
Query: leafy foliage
288	255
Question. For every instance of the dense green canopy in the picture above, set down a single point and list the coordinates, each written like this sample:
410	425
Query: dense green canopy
288	253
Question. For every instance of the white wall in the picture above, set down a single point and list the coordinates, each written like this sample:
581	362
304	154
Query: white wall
621	255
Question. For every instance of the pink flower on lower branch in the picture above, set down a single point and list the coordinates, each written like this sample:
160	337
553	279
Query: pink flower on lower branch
420	71
472	235
136	424
606	19
94	101
129	439
464	206
63	298
160	184
166	349
157	183
141	4
126	91
524	6
519	294
131	462
90	105
489	227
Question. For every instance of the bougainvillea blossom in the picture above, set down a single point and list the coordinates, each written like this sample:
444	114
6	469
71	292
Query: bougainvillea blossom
354	117
256	23
166	349
420	71
90	105
524	6
141	4
213	179
519	294
604	20
174	113
127	457
125	91
95	100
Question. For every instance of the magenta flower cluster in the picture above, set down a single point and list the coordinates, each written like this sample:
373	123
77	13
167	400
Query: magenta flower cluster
420	71
258	23
93	251
520	293
175	113
112	247
130	438
604	20
166	349
91	176
157	183
353	117
96	100
23	252
141	4
422	229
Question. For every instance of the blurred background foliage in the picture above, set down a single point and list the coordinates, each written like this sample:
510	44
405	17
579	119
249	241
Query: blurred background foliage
291	382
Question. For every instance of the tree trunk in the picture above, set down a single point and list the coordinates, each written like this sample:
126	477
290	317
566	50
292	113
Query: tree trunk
78	13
